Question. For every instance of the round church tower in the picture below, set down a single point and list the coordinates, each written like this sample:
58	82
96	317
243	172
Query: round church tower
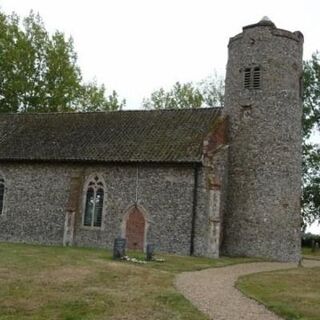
263	104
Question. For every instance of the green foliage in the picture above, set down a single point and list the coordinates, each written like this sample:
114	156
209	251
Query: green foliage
93	98
212	90
179	97
311	151
311	96
209	92
39	72
62	77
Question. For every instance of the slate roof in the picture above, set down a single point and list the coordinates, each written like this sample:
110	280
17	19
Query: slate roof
119	136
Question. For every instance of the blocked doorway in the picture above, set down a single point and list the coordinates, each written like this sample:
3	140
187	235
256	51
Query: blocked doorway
135	229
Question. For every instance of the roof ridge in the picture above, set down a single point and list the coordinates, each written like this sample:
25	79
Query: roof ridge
106	112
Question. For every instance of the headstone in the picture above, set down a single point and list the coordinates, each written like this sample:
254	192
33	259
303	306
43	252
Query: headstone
315	245
119	248
149	253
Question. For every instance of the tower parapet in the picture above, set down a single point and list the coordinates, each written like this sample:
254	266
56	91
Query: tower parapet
263	104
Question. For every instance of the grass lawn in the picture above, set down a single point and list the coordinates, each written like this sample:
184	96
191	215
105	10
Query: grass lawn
292	294
308	254
39	282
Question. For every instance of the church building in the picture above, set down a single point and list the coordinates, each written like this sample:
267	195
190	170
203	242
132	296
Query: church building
203	182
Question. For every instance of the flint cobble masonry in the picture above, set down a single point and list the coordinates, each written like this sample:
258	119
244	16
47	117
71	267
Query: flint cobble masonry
37	194
263	201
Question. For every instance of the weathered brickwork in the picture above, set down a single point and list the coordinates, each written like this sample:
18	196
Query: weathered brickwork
211	192
263	204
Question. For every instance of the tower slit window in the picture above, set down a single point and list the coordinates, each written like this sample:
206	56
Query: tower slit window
94	201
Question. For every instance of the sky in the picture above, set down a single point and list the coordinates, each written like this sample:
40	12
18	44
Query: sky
138	46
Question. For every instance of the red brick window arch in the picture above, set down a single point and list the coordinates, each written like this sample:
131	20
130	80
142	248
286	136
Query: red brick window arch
94	200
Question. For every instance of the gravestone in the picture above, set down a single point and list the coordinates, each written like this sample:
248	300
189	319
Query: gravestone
315	245
149	253
119	248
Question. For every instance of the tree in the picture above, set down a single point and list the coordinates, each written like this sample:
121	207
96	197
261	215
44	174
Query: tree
212	90
62	77
39	72
93	99
179	97
311	151
208	92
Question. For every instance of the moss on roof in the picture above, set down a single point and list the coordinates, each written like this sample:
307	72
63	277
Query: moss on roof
120	136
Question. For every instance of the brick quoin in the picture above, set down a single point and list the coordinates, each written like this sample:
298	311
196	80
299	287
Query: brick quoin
135	230
216	138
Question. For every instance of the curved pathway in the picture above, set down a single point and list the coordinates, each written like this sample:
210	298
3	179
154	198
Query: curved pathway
212	290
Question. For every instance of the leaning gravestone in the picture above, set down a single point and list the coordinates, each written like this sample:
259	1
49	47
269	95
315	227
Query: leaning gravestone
119	248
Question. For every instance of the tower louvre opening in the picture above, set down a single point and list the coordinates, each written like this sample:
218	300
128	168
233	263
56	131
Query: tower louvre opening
252	78
256	78
247	76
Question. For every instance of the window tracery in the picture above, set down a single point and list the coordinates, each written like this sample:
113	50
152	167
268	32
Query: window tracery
94	199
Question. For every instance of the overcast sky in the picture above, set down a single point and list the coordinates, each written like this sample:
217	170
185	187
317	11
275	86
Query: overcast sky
137	46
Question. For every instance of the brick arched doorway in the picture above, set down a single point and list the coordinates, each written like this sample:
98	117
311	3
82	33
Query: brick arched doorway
135	229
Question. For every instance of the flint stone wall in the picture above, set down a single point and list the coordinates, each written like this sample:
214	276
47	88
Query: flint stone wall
36	202
264	181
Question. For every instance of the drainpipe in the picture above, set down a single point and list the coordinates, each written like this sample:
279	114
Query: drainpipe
194	208
137	187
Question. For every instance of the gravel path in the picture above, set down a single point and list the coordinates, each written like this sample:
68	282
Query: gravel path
212	290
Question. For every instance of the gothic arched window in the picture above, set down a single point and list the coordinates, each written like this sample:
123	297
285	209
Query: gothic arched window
94	197
1	194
